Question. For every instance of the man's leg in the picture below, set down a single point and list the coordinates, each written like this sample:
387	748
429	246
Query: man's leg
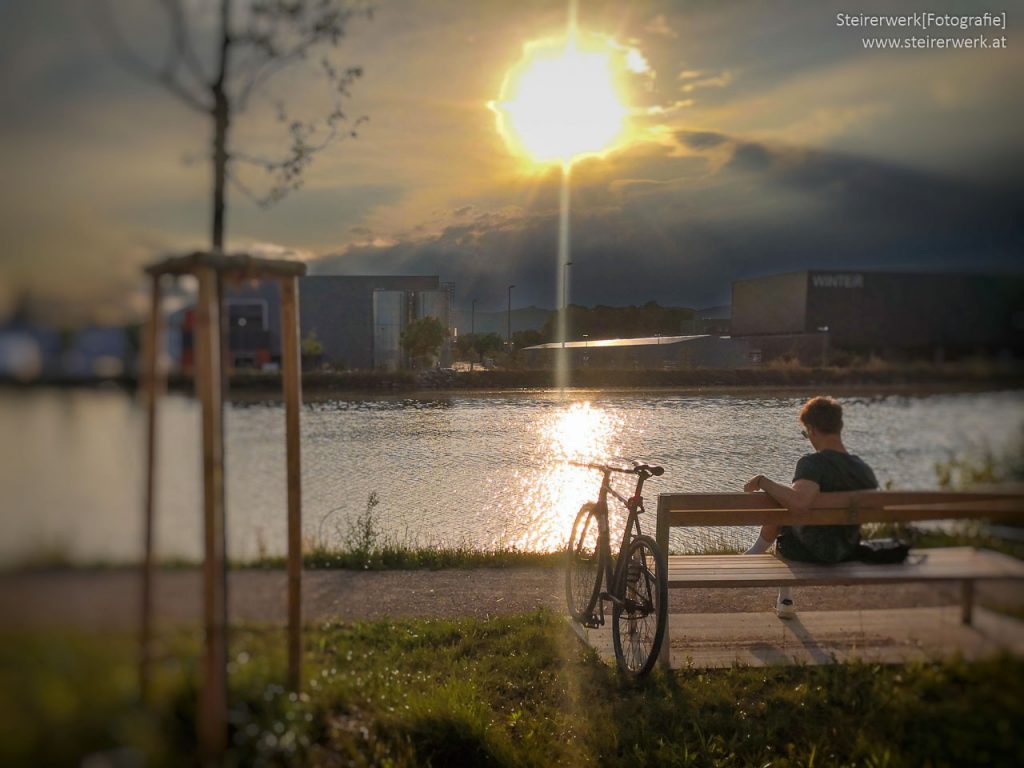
764	540
790	548
784	607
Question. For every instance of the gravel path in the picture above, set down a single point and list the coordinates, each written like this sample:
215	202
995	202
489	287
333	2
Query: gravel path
110	599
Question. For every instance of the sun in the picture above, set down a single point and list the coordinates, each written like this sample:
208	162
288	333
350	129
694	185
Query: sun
562	100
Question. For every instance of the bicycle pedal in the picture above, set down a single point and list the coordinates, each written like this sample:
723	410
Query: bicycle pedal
593	623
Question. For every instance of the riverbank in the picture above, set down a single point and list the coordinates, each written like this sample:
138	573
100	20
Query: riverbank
962	376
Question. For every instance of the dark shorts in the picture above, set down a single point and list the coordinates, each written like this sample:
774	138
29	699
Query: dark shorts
789	546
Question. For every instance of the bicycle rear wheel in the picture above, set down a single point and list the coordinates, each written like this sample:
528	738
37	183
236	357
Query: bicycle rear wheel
638	623
585	564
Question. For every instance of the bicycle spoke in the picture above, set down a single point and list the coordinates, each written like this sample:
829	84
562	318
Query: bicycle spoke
639	621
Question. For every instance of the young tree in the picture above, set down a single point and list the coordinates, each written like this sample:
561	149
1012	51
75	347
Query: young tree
312	349
252	41
422	339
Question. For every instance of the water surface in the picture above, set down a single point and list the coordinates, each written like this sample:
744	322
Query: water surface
482	470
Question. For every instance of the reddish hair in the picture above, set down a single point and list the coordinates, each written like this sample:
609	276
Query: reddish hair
825	414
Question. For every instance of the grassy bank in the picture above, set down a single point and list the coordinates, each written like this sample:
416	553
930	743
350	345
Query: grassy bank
511	691
399	557
408	557
872	374
785	375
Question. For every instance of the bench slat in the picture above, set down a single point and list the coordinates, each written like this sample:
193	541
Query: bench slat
952	564
846	508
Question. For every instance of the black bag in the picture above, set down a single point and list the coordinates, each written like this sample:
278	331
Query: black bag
882	551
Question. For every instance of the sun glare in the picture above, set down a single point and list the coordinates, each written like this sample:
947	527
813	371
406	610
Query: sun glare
561	101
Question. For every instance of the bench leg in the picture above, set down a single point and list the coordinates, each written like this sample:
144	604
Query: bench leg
966	601
661	537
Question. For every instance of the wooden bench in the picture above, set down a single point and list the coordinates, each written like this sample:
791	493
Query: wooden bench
965	565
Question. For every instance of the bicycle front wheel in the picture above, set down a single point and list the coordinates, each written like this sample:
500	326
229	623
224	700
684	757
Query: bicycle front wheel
585	563
638	622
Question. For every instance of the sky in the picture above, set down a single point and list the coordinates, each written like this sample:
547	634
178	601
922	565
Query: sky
762	138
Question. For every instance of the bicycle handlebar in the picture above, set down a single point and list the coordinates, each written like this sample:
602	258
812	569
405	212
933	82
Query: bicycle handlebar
650	469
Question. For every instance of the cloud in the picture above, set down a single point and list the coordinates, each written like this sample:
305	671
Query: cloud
695	80
659	26
680	228
701	139
748	156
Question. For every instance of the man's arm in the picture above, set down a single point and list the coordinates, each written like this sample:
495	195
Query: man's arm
799	496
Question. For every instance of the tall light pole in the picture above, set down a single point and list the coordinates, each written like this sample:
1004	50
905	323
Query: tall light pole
509	325
472	332
565	304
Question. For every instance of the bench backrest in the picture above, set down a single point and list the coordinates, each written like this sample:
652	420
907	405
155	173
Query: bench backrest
846	508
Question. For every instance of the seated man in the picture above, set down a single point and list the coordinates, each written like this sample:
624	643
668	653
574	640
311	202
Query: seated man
829	469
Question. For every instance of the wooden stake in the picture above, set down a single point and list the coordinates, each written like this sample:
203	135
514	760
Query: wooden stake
213	697
291	375
966	602
152	385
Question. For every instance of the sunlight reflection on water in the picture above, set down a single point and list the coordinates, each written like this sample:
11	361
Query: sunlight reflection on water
477	470
551	498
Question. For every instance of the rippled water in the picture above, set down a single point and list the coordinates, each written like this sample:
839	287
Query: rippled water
482	470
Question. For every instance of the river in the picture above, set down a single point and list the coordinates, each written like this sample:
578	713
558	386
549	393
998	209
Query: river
480	470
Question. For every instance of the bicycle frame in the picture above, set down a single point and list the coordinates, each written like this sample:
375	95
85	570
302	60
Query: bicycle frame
634	507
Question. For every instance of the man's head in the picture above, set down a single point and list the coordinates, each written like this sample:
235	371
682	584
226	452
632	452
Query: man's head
822	417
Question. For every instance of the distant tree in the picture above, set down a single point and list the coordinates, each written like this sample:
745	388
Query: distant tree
252	41
488	343
312	348
527	338
602	322
464	345
422	339
474	346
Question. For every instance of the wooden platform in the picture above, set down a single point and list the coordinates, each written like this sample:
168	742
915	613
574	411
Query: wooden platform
711	640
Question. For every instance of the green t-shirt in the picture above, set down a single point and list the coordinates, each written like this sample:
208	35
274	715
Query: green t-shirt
832	471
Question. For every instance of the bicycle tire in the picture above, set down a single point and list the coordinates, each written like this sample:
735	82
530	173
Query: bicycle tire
638	625
585	564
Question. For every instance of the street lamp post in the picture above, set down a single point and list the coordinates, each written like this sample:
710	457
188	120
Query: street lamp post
472	332
565	303
508	329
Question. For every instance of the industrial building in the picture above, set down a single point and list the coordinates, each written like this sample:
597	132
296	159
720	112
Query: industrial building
645	353
890	314
356	319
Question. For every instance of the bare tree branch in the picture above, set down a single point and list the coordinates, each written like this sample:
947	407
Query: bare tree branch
183	41
272	35
133	62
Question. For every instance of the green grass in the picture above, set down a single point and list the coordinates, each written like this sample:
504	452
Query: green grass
511	691
398	557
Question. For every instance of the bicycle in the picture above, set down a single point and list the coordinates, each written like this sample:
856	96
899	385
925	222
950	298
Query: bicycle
637	584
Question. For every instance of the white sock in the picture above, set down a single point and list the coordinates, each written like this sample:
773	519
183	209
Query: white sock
759	547
785	594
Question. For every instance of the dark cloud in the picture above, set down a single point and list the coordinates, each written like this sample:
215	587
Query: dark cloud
750	157
683	237
701	139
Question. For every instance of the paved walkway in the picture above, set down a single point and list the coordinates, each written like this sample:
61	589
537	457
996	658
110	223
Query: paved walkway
109	599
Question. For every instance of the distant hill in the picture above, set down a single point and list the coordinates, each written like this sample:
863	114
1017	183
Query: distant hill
523	319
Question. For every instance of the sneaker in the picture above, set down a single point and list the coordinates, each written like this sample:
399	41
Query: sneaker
784	608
